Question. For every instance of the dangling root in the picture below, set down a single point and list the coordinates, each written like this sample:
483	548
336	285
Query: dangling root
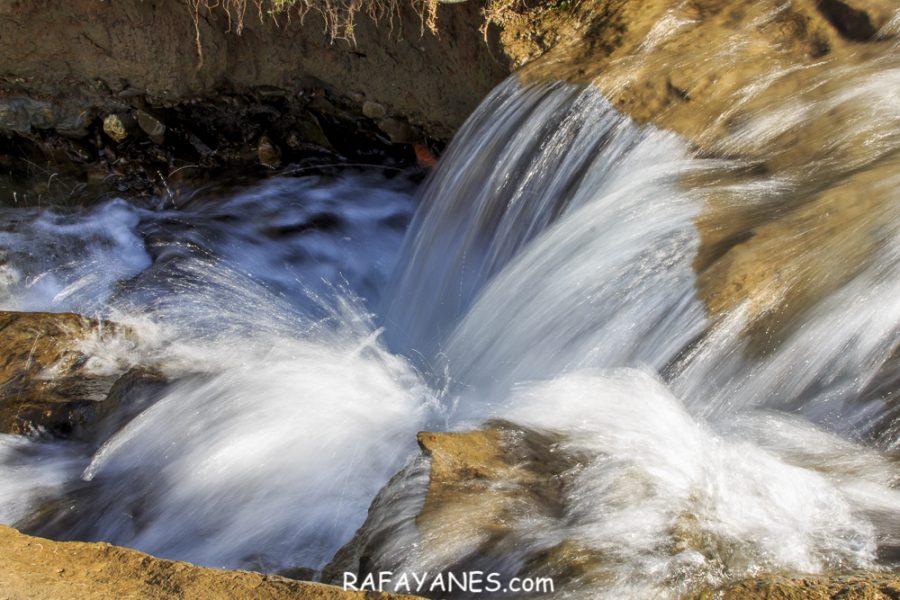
339	16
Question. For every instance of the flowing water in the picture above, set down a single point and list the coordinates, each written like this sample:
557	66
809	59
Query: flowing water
549	278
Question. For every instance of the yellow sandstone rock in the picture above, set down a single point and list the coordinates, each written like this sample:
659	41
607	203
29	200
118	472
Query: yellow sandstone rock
33	567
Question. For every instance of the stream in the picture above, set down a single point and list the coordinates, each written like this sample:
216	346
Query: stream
544	274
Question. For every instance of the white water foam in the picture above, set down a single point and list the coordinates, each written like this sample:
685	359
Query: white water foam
555	242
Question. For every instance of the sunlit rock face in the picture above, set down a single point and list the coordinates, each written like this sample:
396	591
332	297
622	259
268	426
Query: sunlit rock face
629	496
800	95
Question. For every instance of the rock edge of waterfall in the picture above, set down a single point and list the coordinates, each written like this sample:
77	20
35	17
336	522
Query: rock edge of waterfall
480	480
34	567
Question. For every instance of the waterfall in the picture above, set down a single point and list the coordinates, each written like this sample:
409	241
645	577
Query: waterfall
551	278
559	235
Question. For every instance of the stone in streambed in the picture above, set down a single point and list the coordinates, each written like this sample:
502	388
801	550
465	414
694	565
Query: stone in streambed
268	153
400	132
130	393
373	110
13	116
480	488
486	500
22	115
74	122
118	126
308	129
152	125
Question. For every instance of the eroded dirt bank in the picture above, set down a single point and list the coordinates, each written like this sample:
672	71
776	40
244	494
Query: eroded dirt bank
117	55
120	87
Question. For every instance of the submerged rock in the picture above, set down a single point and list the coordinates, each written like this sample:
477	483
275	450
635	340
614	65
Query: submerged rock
35	567
268	153
152	125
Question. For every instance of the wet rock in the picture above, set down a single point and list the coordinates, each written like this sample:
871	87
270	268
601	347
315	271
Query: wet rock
75	121
131	92
270	91
118	126
425	156
322	105
476	490
389	526
39	568
780	253
268	153
49	382
489	499
722	48
863	586
131	393
152	125
786	265
13	116
42	116
373	110
484	483
309	130
22	115
199	145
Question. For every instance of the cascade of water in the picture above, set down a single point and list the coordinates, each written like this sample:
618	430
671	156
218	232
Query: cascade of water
560	235
525	159
521	295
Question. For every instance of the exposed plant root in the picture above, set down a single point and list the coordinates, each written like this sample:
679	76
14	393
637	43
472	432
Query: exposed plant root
339	16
